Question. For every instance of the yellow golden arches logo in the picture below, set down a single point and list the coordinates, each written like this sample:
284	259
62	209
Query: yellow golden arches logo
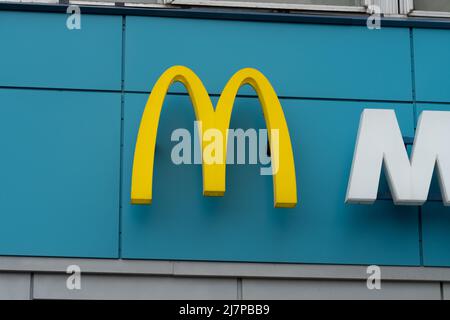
284	181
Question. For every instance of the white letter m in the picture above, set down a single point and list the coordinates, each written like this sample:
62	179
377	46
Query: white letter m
380	139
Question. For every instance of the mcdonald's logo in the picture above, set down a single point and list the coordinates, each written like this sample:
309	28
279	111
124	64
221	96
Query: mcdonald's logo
284	180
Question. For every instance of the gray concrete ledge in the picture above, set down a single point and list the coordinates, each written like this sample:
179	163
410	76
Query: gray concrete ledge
218	269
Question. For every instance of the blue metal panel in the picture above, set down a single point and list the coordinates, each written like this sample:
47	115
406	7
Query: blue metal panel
435	234
300	60
59	173
432	65
243	225
435	217
37	50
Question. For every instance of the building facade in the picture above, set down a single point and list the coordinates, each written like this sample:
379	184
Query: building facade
73	88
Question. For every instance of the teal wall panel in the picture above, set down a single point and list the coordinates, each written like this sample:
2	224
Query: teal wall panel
435	234
301	60
435	216
432	64
38	50
243	225
59	173
64	145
